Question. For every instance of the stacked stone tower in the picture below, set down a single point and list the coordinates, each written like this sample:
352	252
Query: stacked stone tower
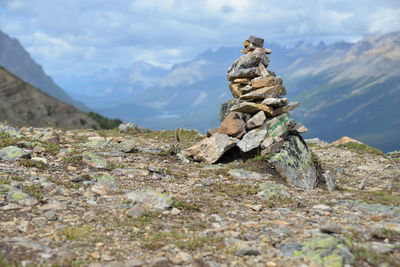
256	120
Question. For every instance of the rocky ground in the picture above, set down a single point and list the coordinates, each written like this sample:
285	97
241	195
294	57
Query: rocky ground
104	198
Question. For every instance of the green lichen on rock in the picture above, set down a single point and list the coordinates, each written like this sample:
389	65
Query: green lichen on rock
12	153
94	160
271	190
105	184
294	163
18	195
327	251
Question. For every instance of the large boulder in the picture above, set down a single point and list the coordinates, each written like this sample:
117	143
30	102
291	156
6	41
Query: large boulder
294	163
211	149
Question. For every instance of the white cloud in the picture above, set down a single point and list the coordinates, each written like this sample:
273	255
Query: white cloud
76	35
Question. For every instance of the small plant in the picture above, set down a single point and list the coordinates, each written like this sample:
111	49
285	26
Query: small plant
383	233
262	158
36	191
75	233
111	166
235	190
195	242
314	158
185	205
385	197
74	159
51	148
33	164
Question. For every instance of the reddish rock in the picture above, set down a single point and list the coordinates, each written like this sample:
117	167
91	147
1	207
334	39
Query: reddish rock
233	125
345	140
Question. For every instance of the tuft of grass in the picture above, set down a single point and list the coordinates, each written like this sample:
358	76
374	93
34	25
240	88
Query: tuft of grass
367	255
191	242
235	190
185	205
385	197
36	191
314	158
73	159
111	166
195	242
361	148
33	164
384	233
51	148
75	233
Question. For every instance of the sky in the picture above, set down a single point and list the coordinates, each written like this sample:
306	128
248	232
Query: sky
70	36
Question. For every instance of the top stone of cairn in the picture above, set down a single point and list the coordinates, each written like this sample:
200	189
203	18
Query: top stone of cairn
256	41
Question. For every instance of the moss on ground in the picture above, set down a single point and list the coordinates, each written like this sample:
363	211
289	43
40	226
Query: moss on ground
33	164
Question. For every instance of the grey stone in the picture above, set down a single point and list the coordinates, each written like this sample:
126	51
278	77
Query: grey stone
246	175
257	41
272	190
151	199
380	248
251	108
94	160
133	263
96	144
247	65
226	107
330	181
105	184
21	198
128	146
265	92
12	153
275	101
11	131
271	145
361	185
251	140
161	262
378	209
286	108
256	121
211	149
294	163
247	251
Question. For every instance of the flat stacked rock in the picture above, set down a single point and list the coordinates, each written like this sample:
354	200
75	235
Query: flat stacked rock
257	120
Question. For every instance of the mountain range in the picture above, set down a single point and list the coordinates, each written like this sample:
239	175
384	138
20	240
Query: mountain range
344	88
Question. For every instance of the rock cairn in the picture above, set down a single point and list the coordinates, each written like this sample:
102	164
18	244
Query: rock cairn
257	121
